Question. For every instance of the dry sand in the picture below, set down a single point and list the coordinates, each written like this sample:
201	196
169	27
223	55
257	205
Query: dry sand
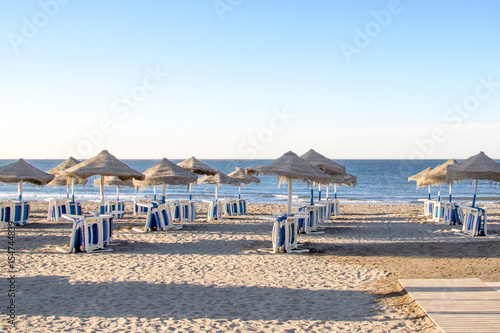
208	276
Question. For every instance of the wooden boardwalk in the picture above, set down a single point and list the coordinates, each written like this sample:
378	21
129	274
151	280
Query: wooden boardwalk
458	305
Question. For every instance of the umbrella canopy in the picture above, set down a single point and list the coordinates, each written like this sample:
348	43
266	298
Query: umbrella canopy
346	179
323	163
196	166
22	172
61	180
113	181
419	175
240	175
166	172
477	167
218	179
436	175
103	164
64	181
289	167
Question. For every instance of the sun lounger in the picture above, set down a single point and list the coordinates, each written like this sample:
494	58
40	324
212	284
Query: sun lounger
89	234
152	217
474	220
114	206
140	207
4	215
311	224
242	206
284	234
19	212
214	211
166	220
187	210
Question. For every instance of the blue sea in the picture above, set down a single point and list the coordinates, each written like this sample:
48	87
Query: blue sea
379	181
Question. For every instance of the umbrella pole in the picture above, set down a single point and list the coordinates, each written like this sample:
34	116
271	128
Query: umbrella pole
289	209
117	193
216	192
319	192
335	187
429	190
327	191
312	194
239	191
20	191
102	195
163	194
451	185
73	190
154	192
67	192
475	192
190	192
439	192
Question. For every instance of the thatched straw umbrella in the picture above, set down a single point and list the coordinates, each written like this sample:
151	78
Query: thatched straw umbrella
61	180
436	176
22	172
114	181
218	179
166	172
477	167
198	167
289	167
240	175
324	164
103	164
419	175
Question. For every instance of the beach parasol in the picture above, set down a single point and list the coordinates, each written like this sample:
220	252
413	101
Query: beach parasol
103	164
22	172
114	181
477	167
218	179
240	175
290	167
324	164
166	172
417	176
198	167
436	176
61	180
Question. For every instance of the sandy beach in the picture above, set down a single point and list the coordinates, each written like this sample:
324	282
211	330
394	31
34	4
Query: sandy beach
209	277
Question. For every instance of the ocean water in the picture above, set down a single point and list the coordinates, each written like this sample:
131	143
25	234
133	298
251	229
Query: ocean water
379	181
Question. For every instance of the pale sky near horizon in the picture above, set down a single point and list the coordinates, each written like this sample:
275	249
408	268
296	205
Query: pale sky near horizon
249	78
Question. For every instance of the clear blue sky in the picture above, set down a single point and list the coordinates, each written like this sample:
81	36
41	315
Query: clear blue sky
249	78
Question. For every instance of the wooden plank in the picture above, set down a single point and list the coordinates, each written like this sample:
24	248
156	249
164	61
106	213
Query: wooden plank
458	305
